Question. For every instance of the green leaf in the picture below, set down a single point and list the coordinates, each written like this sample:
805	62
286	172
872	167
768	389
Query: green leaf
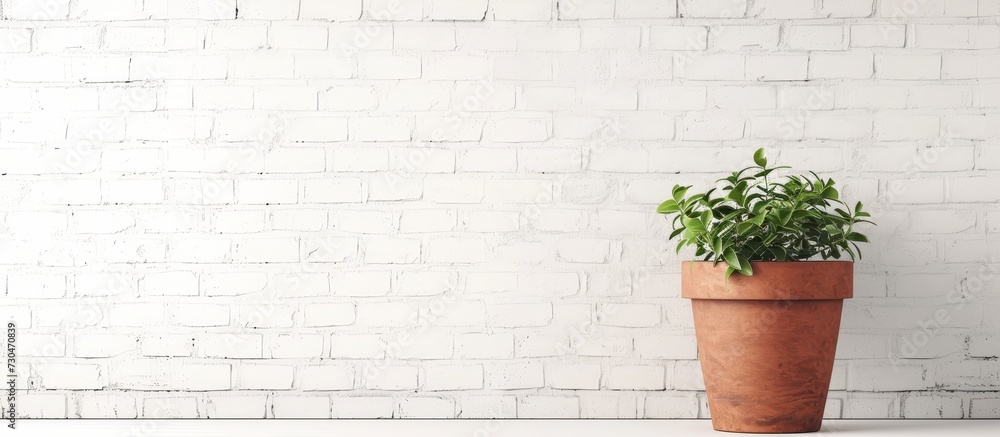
752	197
717	245
729	272
746	269
854	236
687	207
830	193
668	206
856	249
731	258
731	216
761	207
849	251
784	216
764	173
693	224
759	158
799	214
832	230
736	195
679	191
706	218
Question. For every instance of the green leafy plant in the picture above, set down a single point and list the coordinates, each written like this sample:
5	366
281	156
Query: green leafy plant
751	218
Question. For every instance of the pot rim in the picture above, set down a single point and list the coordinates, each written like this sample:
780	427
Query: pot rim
772	280
808	261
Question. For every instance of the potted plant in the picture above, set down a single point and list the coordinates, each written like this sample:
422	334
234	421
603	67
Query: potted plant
766	316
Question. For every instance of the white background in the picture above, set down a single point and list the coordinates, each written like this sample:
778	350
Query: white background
444	208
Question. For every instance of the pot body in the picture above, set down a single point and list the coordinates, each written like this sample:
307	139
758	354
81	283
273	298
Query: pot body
767	342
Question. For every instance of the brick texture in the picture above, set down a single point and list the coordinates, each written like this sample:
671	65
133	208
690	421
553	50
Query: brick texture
444	208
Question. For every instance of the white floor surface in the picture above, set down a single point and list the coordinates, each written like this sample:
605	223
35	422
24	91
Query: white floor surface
475	428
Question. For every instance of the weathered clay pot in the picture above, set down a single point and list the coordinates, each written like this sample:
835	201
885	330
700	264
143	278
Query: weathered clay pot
767	342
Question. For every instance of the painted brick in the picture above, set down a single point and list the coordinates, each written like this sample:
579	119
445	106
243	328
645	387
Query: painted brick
451	200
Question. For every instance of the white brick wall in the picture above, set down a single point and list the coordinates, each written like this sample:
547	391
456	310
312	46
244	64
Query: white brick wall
444	208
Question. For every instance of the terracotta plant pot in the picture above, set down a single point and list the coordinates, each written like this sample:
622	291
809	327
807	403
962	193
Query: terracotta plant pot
766	342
